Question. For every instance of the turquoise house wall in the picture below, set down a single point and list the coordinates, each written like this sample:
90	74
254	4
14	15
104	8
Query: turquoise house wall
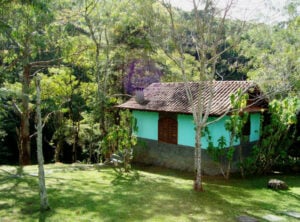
186	131
255	127
216	130
147	123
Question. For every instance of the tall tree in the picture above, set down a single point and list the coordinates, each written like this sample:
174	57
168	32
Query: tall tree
112	41
273	53
39	141
62	98
209	38
98	31
26	29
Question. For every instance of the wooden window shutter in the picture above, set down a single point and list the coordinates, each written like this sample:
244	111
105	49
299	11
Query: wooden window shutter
167	130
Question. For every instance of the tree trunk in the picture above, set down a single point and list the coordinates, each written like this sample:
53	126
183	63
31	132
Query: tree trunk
60	142
198	178
241	156
228	170
76	128
24	148
90	153
58	149
101	88
229	158
74	148
42	186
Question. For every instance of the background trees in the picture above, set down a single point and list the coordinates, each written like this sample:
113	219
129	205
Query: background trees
87	50
273	57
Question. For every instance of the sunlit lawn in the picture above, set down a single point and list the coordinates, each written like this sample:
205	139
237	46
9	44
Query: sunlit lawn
87	193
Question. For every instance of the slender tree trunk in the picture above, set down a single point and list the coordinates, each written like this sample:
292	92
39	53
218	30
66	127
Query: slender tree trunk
229	159
42	186
198	177
241	156
60	142
90	153
228	170
76	128
24	147
74	149
58	149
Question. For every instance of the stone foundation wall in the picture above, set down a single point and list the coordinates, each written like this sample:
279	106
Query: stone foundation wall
176	156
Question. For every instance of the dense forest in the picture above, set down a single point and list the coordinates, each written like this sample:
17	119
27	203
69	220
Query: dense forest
91	55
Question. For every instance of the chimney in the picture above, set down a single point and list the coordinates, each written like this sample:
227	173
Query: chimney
139	96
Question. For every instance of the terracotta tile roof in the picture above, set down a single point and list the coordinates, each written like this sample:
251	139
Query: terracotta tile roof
172	97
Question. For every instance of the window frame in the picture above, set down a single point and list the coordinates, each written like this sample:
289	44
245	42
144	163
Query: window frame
168	128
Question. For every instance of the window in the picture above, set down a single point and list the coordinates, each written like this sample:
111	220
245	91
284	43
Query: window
167	128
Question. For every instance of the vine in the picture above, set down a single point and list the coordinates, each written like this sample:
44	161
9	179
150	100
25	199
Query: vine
277	136
120	140
222	154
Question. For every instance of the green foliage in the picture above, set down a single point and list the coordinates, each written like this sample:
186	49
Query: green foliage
27	37
91	44
223	153
273	53
8	123
58	86
90	139
277	136
238	117
120	138
218	152
4	152
134	35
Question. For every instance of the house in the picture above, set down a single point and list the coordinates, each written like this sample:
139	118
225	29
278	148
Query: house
166	126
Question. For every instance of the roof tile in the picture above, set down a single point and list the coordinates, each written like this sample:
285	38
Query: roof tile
172	97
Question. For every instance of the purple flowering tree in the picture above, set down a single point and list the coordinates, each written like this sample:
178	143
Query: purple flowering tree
140	74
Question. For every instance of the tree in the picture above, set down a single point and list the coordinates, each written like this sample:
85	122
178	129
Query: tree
277	136
97	31
113	43
122	139
273	57
39	141
62	99
235	126
93	22
223	154
8	124
273	52
26	29
209	38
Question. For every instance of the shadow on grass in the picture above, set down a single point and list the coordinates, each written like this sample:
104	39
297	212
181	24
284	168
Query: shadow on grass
106	195
163	171
20	192
130	197
134	197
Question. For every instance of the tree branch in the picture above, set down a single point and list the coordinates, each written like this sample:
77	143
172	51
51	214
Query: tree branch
44	63
17	108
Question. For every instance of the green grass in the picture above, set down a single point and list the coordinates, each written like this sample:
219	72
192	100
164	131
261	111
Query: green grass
86	193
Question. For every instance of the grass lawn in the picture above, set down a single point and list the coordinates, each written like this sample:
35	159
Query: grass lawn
87	193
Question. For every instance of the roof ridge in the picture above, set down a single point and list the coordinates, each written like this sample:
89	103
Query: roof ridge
224	81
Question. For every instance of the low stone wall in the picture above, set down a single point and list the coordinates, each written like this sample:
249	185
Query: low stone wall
175	156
